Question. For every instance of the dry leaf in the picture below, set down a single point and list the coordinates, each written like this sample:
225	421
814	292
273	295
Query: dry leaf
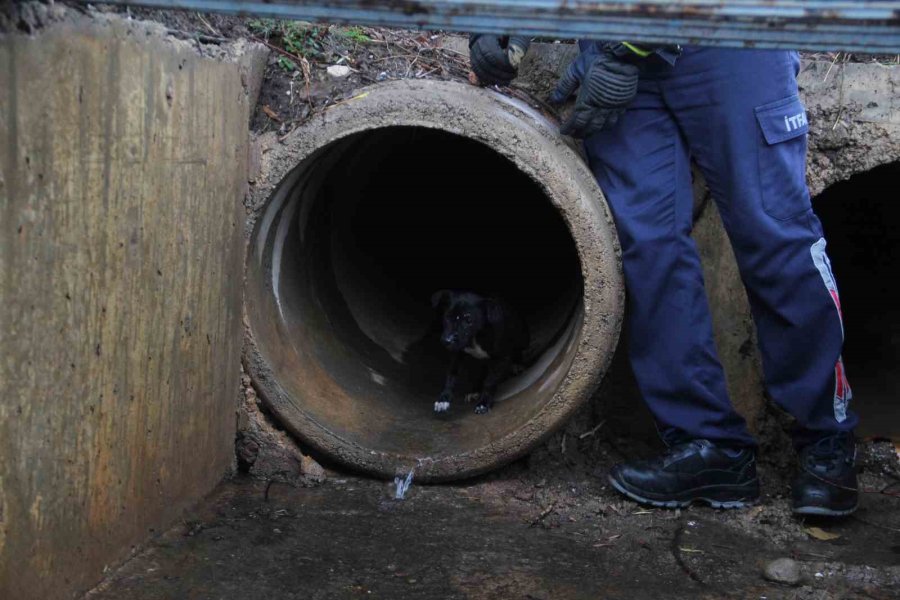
821	534
271	113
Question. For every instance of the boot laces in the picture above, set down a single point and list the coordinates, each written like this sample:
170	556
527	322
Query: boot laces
830	451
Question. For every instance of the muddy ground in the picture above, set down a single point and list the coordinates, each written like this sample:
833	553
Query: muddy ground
516	534
547	526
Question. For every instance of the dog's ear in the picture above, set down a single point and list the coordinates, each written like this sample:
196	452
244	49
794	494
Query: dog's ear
440	299
493	310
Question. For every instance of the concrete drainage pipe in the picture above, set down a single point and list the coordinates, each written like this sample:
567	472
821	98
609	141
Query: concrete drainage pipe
405	189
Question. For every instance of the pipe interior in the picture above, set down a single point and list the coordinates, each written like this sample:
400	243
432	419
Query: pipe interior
353	244
860	219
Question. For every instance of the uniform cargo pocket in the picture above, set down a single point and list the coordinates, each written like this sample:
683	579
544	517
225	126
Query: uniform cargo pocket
782	158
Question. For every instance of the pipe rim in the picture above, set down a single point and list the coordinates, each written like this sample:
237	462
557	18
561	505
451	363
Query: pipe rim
532	143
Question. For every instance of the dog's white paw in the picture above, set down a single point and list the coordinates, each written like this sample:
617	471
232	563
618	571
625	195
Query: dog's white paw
440	407
481	409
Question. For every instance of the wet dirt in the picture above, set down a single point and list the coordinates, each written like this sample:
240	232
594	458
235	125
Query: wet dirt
521	533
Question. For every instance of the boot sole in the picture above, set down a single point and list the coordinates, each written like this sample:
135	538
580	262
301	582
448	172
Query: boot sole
741	499
821	511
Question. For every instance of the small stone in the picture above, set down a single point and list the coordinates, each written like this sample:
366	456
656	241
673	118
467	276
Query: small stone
312	471
783	570
338	70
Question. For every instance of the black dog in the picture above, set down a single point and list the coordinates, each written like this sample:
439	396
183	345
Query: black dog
486	329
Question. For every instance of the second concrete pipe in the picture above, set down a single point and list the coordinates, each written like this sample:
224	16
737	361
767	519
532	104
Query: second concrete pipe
407	188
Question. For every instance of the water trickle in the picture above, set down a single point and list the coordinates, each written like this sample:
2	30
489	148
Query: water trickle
402	484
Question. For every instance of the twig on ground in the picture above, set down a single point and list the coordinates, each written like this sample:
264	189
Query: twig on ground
427	73
610	541
271	113
345	100
544	514
212	30
870	523
841	97
676	550
307	76
277	49
200	37
797	553
836	57
592	431
883	491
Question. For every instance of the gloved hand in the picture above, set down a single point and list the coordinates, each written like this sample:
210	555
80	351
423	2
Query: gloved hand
608	84
495	59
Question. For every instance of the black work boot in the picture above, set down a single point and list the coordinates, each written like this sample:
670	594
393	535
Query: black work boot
692	471
826	484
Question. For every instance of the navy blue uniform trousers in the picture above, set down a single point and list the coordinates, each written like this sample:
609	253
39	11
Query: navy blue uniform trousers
737	114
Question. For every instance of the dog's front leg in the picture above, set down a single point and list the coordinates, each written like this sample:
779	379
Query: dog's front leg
497	372
443	403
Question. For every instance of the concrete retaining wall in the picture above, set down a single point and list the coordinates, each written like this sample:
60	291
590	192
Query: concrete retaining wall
122	166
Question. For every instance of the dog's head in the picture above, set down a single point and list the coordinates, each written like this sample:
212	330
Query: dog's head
464	314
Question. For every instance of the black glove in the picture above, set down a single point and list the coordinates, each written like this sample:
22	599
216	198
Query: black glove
608	85
495	59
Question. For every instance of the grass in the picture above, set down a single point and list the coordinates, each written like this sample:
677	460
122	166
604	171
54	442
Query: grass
286	63
299	38
354	34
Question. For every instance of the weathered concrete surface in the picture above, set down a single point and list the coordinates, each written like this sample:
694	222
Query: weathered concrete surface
334	387
122	165
854	126
266	452
854	118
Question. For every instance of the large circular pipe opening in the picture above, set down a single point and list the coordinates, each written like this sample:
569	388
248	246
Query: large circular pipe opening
860	219
371	218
